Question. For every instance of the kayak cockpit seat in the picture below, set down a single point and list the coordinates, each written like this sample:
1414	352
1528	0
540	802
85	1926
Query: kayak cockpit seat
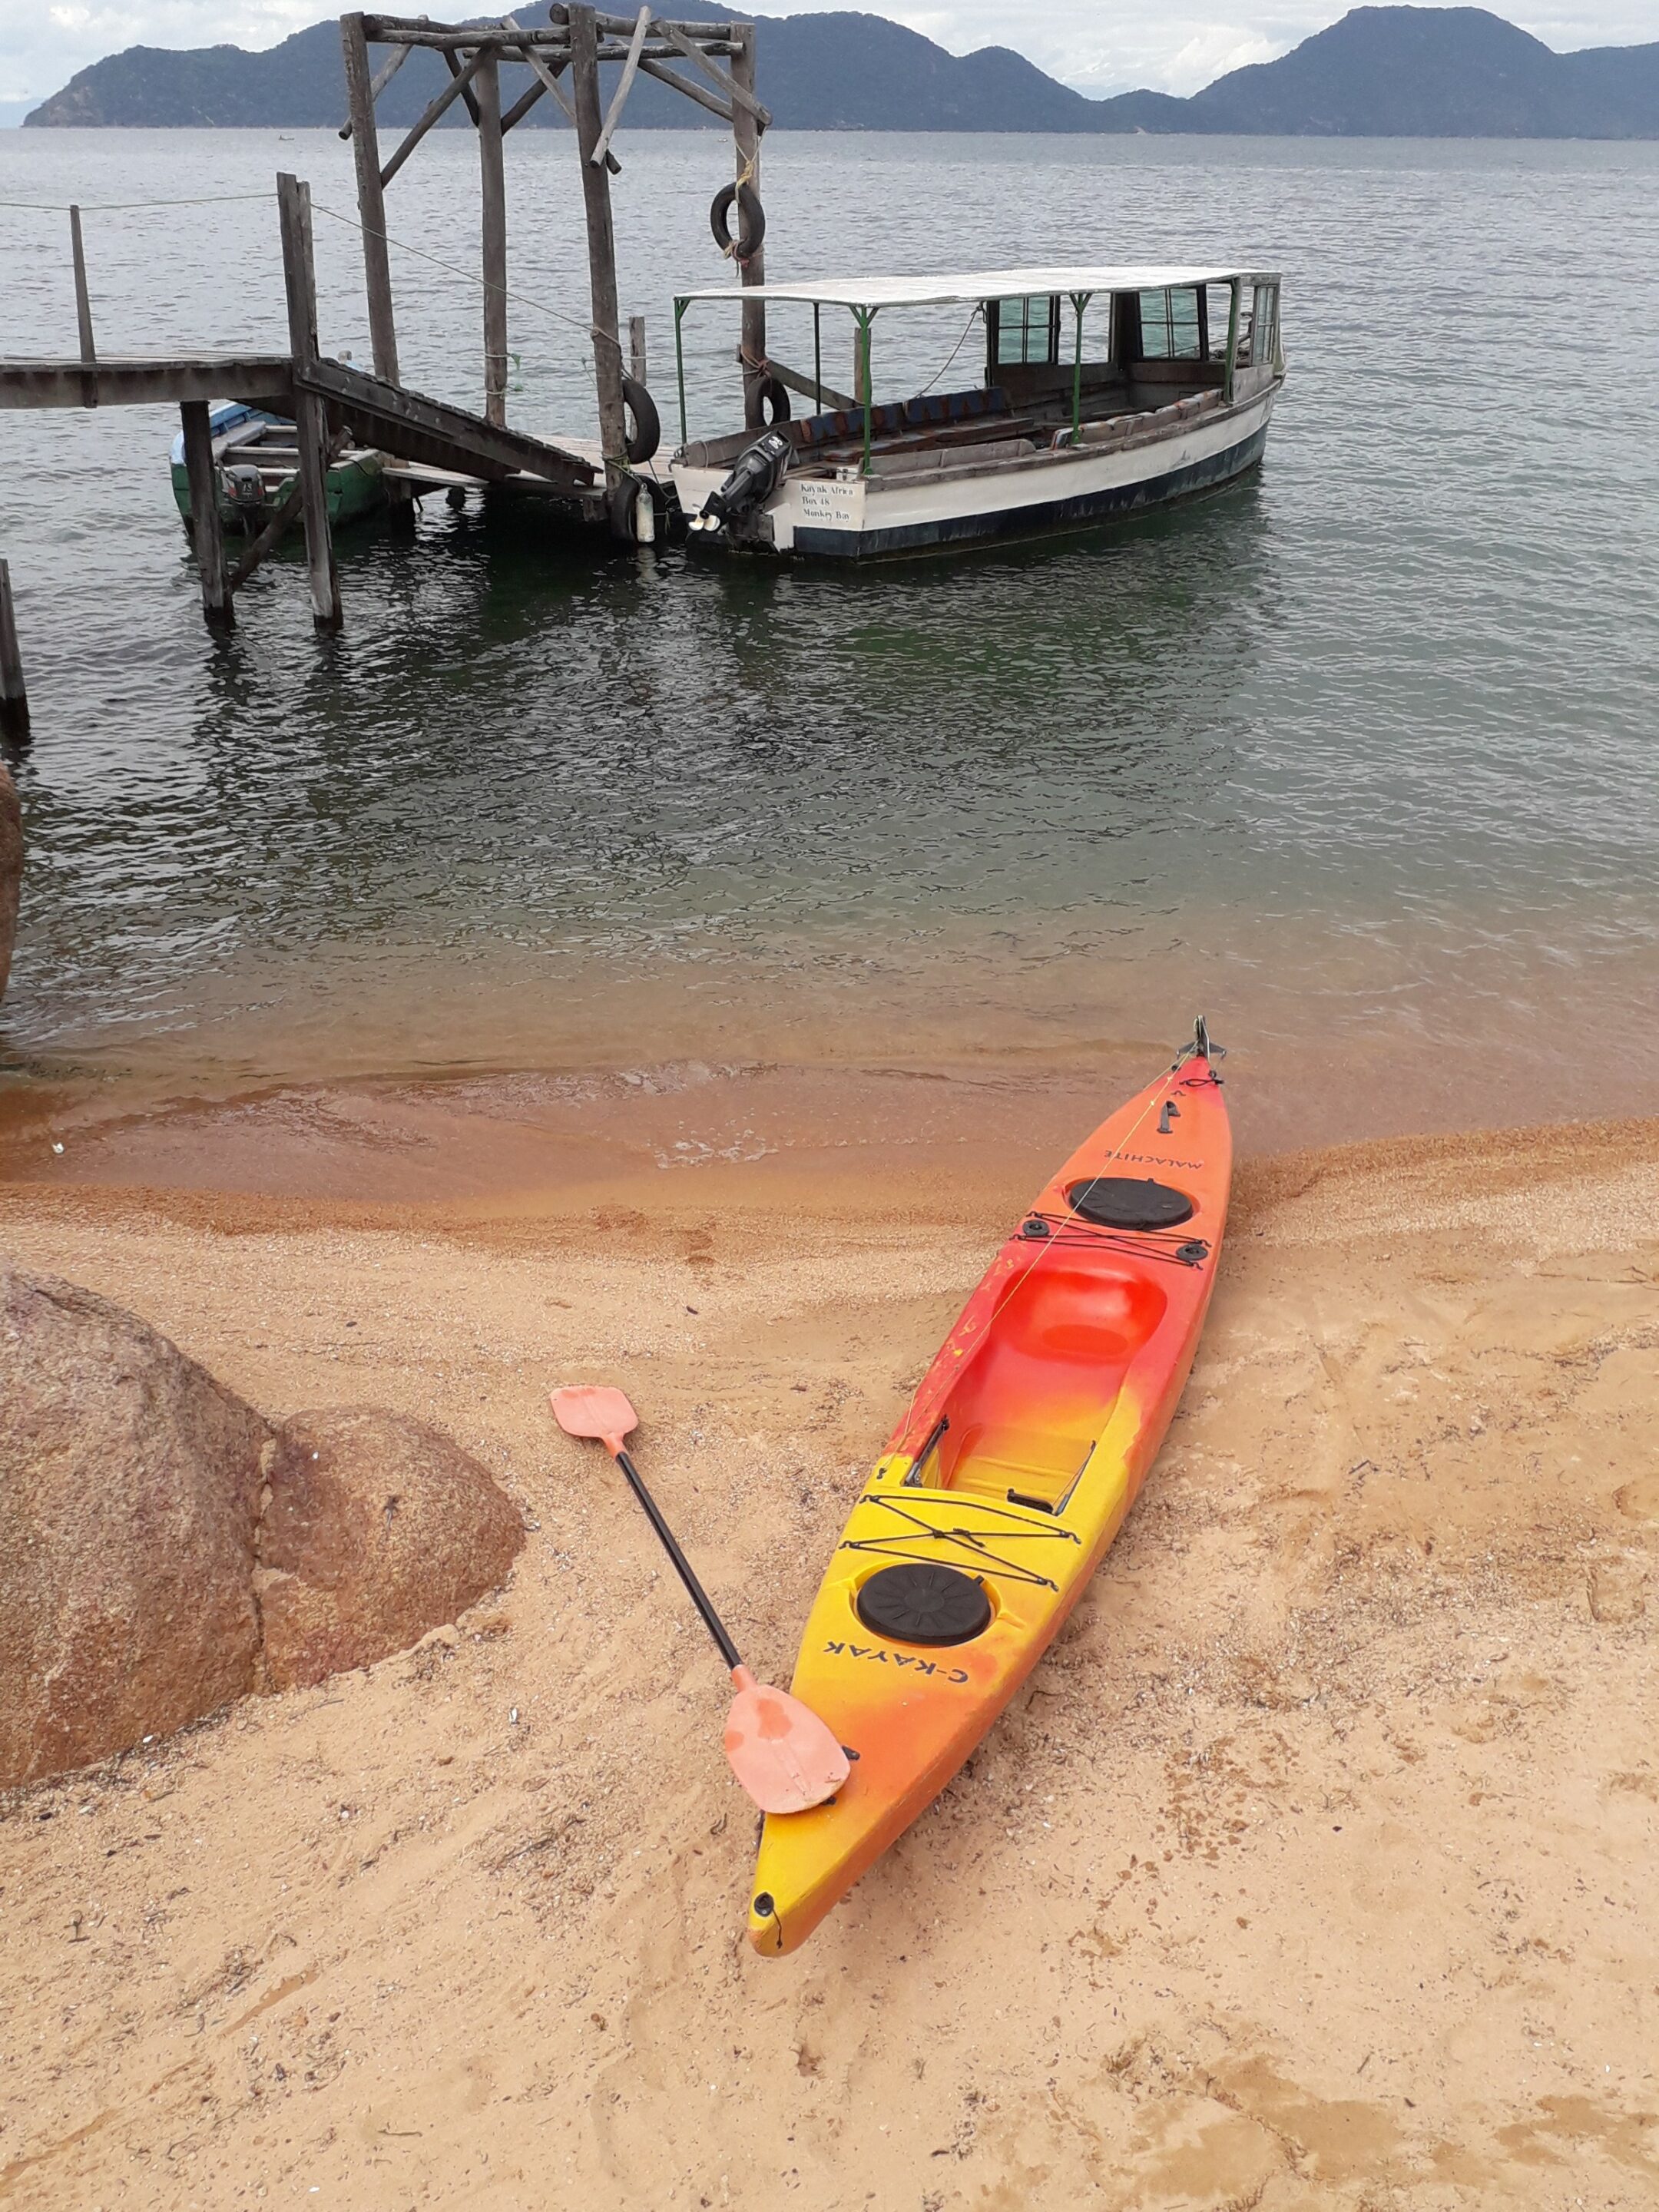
1024	1465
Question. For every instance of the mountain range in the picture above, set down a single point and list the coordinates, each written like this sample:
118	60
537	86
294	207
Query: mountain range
1380	72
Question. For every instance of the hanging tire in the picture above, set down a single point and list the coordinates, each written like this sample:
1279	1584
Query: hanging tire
646	433
623	509
773	401
751	220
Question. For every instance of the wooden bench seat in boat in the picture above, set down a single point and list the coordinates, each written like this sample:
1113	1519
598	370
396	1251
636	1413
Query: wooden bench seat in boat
933	410
922	459
1155	421
961	441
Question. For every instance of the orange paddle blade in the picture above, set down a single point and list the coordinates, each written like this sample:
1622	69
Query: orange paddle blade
595	1411
780	1750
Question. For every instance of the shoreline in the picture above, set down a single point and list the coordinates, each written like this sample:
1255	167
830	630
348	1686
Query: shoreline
1330	1792
756	1135
880	1180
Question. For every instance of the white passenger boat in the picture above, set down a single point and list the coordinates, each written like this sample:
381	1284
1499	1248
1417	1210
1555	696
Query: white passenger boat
1106	392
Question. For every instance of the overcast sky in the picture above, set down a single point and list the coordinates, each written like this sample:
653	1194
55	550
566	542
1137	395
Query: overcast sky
1099	45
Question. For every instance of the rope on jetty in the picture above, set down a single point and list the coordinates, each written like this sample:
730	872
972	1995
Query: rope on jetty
123	207
227	199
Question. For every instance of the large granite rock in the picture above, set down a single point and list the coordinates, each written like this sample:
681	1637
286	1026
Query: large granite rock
11	871
130	1484
163	1550
377	1528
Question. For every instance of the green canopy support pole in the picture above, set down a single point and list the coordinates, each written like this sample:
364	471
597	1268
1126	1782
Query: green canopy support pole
680	306
1232	342
864	316
1079	302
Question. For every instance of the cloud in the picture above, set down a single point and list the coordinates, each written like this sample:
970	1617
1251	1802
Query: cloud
1152	61
1098	46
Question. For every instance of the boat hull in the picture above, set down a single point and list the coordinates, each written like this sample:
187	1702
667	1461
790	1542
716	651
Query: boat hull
355	487
1076	488
1055	1388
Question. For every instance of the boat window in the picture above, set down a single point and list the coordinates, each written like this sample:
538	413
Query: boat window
1024	329
1264	323
1170	324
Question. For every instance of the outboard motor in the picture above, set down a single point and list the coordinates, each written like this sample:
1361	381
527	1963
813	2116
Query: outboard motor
244	487
756	476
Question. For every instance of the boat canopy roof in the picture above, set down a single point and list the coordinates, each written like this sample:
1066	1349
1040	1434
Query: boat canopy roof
971	286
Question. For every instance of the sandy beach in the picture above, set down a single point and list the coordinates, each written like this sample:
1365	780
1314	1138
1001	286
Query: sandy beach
1310	1870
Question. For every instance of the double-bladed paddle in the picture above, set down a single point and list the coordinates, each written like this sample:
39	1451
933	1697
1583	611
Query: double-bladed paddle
779	1749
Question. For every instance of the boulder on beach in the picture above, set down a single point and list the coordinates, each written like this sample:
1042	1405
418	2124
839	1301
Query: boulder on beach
11	871
163	1550
377	1529
130	1484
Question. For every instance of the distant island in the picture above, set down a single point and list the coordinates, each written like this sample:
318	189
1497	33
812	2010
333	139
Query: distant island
1381	72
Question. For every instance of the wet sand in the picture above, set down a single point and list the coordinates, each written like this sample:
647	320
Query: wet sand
1313	1869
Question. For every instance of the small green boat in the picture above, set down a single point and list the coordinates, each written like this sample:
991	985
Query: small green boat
254	461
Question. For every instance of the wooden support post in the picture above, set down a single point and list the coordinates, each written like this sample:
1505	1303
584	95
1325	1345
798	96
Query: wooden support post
636	348
14	697
371	200
547	76
207	536
487	85
463	77
733	89
711	100
525	100
383	78
288	511
811	387
746	137
310	423
619	98
601	241
83	311
82	297
458	88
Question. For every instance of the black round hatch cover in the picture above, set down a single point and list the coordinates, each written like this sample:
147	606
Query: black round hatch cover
925	1604
1127	1202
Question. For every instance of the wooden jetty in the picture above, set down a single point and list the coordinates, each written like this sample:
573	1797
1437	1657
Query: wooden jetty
322	397
431	440
573	43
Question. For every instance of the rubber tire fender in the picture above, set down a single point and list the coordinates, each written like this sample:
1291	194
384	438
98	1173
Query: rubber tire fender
751	220
646	433
620	508
773	401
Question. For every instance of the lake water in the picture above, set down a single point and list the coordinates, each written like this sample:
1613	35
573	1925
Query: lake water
1360	757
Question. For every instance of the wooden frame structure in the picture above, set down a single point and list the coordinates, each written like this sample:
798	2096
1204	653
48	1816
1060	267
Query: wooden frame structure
575	44
323	398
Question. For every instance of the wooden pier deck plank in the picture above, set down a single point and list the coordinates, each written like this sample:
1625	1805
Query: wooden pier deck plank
148	380
399	421
385	416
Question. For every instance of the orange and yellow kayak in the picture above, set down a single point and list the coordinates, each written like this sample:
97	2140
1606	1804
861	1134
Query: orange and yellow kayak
1003	1483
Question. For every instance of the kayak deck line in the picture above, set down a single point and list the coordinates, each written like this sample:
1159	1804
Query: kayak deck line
1038	1420
972	1541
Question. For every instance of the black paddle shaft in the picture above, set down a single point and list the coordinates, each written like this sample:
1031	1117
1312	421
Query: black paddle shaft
712	1620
